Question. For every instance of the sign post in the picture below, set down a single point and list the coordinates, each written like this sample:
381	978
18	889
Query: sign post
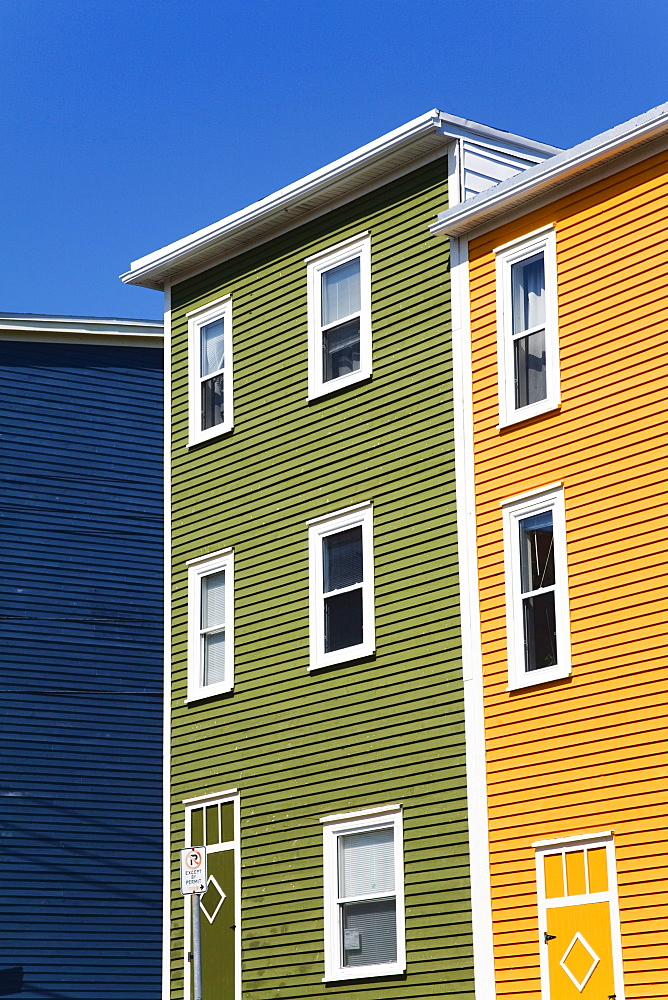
193	884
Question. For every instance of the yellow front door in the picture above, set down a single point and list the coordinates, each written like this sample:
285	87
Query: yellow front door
580	954
576	887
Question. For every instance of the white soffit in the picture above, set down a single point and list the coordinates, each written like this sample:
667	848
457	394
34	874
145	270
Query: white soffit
425	135
547	177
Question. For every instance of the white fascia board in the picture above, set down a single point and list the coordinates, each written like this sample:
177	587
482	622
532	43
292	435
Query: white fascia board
27	326
344	175
532	183
461	128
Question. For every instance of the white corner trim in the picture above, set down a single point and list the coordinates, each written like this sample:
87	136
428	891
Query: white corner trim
167	638
210	556
578	838
536	494
361	814
476	767
335	515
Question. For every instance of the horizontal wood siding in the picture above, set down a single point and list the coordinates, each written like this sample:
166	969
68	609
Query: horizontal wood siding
587	753
81	670
300	746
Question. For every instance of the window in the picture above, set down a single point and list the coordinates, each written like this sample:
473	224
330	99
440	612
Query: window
210	362
210	625
528	348
341	586
578	909
364	900
536	588
339	289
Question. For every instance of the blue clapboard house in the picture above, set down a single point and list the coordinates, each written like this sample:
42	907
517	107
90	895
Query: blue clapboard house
81	534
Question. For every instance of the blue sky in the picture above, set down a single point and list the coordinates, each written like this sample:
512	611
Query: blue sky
127	124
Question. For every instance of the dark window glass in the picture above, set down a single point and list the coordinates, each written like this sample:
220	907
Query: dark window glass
540	631
537	551
528	294
530	369
341	350
342	559
343	620
212	402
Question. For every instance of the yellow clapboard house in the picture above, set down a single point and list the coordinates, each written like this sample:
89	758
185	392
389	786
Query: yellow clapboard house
560	280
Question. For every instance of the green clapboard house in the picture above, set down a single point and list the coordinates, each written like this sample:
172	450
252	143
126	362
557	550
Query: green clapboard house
316	740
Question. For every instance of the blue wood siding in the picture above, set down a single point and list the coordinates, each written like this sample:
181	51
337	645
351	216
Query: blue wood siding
80	670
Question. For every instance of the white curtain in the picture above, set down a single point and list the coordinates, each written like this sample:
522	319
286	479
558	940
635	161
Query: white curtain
341	292
366	862
213	340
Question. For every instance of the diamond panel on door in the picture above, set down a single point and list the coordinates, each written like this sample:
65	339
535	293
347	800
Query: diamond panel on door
580	956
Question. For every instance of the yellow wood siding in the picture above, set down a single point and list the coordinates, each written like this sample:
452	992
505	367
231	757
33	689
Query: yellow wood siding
587	753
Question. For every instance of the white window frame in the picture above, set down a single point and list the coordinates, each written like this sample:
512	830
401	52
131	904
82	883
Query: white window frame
358	247
334	826
198	318
515	510
319	528
512	253
583	841
197	570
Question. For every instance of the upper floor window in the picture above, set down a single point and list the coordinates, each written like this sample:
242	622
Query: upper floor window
339	314
536	588
210	365
364	898
210	625
341	586
528	348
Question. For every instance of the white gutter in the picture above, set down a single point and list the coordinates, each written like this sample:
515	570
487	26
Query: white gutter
537	180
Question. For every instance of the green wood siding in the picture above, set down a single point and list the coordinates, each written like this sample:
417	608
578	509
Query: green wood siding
299	746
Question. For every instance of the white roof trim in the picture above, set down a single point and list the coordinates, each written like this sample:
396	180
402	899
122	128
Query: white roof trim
290	204
521	188
16	324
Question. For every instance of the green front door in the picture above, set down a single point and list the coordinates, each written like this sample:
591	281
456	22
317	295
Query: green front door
214	823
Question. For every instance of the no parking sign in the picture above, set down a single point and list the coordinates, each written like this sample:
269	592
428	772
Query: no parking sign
193	870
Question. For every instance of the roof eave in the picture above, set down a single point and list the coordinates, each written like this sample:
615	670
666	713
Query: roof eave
542	179
288	205
152	269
